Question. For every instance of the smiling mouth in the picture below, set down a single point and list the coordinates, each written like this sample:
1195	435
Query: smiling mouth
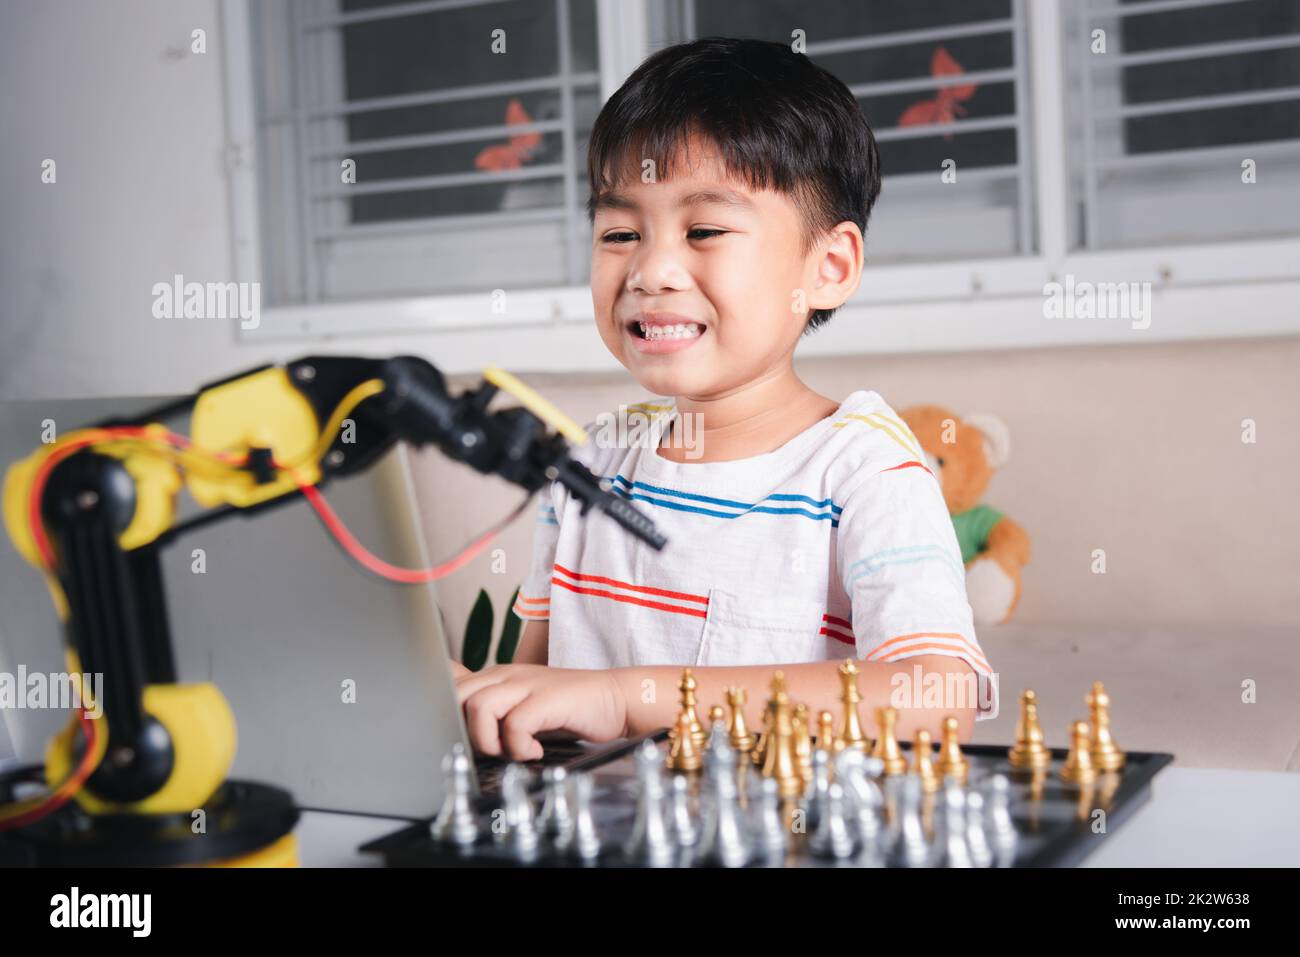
656	332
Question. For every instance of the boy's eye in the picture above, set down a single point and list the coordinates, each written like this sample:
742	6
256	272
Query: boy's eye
627	237
618	237
705	233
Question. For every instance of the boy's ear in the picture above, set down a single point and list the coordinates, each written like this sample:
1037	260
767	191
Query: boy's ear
838	267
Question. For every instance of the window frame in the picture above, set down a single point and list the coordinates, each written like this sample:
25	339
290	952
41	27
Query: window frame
1235	289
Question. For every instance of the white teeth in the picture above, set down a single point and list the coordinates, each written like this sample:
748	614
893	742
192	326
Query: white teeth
682	330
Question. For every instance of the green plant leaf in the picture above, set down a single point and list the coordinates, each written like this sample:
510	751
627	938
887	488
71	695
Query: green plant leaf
478	632
509	633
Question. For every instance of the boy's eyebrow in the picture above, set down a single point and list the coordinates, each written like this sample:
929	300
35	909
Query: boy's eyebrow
701	197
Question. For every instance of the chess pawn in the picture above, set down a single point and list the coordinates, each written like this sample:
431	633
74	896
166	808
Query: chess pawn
556	817
517	830
724	839
821	784
911	848
1029	751
952	763
832	837
583	842
855	771
826	733
456	823
1106	754
951	844
737	732
923	762
803	744
683	754
779	758
717	719
680	814
981	855
771	830
650	842
688	716
851	733
1000	828
1078	766
886	748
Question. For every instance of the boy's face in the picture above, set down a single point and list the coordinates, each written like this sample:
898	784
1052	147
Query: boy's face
703	250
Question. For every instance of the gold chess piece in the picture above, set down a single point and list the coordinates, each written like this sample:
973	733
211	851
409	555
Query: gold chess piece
688	717
737	732
779	758
1078	765
851	733
826	733
1029	751
923	762
952	763
760	743
717	715
887	745
803	743
683	755
1106	754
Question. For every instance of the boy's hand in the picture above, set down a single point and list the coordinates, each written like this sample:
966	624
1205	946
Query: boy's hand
506	706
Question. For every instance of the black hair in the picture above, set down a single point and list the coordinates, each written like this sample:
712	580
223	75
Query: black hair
779	121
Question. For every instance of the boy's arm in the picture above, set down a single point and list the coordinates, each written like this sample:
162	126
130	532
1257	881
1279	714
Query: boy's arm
533	643
653	700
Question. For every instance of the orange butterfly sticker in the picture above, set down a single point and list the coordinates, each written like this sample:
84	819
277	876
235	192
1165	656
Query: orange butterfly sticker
521	147
946	105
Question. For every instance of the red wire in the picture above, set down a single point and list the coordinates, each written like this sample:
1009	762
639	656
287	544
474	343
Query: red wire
65	791
372	563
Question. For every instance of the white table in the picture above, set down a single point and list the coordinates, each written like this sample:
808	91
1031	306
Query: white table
1194	818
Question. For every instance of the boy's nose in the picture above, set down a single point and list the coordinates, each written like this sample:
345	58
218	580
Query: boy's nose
655	271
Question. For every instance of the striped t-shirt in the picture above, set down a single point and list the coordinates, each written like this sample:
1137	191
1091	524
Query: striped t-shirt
838	543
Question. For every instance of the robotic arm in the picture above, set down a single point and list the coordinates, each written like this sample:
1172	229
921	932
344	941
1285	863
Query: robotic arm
92	509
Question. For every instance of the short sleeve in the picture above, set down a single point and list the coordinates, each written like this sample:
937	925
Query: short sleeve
900	565
534	600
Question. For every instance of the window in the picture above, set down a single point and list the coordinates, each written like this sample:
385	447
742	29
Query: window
1172	97
939	81
410	148
470	172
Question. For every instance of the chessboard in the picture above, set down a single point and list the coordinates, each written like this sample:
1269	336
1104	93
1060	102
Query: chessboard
832	803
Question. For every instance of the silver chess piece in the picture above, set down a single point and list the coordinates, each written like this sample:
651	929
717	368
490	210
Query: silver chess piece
517	831
771	833
723	837
997	819
555	820
820	787
832	837
911	848
981	854
950	846
456	823
865	803
581	840
650	842
685	833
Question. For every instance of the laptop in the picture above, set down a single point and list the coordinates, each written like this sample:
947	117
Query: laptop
340	681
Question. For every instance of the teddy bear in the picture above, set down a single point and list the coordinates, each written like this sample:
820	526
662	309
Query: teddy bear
963	454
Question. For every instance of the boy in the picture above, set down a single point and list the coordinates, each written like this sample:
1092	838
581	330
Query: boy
731	182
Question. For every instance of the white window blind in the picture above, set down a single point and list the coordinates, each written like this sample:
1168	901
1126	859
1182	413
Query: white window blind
1168	99
942	80
469	162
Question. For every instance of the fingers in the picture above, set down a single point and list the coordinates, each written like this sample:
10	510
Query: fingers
485	709
473	682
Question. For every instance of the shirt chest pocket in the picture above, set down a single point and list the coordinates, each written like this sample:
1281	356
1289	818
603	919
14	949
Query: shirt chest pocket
748	630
